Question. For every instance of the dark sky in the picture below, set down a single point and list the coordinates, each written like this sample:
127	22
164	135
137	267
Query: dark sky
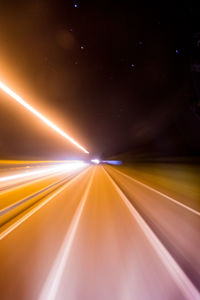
115	75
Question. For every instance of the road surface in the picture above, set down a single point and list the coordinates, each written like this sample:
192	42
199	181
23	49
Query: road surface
95	233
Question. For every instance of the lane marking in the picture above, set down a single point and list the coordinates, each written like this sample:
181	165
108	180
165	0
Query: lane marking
16	204
181	279
51	285
4	233
159	193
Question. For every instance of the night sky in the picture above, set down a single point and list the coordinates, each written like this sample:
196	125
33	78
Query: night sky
115	75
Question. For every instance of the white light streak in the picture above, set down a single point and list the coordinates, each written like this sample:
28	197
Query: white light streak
56	168
95	161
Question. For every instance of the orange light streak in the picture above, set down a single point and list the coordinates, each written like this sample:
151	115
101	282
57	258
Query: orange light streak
21	101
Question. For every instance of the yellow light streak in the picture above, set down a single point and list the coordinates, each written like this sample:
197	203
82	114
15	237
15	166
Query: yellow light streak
21	101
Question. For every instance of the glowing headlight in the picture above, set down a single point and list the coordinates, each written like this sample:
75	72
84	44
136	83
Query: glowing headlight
95	161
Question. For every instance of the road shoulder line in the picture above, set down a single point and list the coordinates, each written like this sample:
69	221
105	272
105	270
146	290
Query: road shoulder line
183	282
159	193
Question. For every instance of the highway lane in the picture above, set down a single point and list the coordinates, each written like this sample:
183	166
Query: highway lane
101	236
27	251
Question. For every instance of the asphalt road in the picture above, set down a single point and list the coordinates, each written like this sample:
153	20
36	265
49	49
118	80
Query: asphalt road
95	234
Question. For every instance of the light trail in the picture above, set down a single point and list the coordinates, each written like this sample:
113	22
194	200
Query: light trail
95	161
83	228
20	221
21	101
58	168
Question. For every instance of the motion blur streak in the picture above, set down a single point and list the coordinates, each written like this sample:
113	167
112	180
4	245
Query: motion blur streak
99	235
188	289
113	162
56	168
40	116
20	220
159	193
95	161
52	284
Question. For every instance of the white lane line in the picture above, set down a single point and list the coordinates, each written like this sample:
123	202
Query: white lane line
4	233
159	193
33	195
181	279
51	285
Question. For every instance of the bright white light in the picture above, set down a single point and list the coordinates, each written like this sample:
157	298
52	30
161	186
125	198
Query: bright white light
95	161
71	166
40	116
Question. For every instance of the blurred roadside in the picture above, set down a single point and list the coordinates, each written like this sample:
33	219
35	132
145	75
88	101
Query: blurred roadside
178	178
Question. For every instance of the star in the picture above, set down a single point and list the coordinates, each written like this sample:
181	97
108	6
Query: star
76	5
177	51
82	48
